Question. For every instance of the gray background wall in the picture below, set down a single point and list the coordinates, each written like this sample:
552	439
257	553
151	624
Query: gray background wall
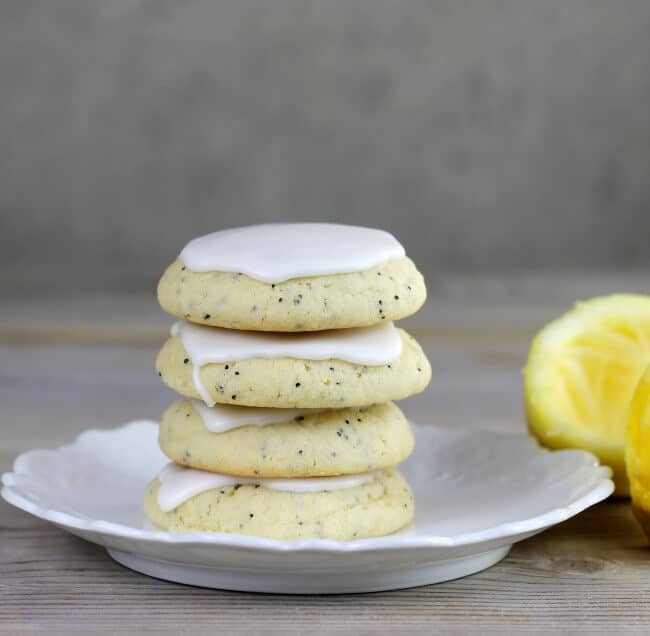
488	134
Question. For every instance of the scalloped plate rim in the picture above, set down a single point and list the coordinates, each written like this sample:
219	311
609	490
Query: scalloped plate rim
602	487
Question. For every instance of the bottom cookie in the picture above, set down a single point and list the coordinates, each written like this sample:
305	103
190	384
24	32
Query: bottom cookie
376	508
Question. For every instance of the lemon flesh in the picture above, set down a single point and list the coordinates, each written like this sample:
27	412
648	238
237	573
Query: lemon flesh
581	375
637	451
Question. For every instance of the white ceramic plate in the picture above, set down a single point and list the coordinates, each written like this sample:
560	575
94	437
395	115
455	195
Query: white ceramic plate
476	494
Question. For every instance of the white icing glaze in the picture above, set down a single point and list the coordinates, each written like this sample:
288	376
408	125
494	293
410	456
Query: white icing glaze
224	417
371	346
280	251
202	391
178	484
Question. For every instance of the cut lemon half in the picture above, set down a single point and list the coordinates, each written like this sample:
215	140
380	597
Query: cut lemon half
637	451
581	375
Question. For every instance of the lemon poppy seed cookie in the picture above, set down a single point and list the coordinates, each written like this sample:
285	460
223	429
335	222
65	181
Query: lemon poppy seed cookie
307	444
331	508
287	359
388	291
292	277
293	370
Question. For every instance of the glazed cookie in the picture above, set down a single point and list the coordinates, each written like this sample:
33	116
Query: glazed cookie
380	505
327	443
288	371
350	277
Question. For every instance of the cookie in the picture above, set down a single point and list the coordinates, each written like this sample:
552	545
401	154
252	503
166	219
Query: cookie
389	291
327	443
292	277
379	507
293	382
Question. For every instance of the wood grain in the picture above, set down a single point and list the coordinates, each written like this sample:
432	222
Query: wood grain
590	574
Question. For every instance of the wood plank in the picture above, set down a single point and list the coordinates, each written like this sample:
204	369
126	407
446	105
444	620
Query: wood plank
457	305
590	574
69	367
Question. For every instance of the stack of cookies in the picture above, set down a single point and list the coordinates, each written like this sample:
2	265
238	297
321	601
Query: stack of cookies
287	361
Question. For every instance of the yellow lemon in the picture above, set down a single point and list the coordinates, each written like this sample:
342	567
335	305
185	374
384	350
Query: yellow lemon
637	451
581	375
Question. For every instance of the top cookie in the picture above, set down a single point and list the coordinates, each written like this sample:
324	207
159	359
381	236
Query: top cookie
292	277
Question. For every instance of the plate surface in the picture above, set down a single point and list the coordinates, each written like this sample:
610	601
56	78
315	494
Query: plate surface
476	493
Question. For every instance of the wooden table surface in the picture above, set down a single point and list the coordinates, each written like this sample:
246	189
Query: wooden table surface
84	360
